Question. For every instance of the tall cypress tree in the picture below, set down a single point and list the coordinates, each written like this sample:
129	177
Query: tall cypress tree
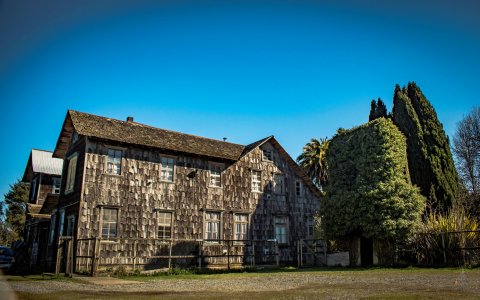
378	109
430	161
381	111
373	109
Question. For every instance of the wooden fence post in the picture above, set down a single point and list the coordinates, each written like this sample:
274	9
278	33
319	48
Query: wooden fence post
134	254
170	255
95	257
200	253
57	265
228	255
277	253
69	264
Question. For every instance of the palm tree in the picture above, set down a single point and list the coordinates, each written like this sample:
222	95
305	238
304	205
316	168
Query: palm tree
312	160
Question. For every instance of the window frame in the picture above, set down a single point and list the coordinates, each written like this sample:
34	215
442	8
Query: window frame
157	232
71	173
211	167
284	236
236	222
55	181
102	224
107	162
162	179
269	157
256	179
218	221
275	184
298	188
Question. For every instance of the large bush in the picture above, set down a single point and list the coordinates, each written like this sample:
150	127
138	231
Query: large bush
369	191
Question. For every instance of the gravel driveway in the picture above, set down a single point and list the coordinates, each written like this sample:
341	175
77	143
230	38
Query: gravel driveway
363	283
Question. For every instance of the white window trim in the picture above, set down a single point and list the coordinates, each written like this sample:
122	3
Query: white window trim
70	181
287	225
59	181
211	165
247	233
260	189
121	159
100	231
220	225
173	168
172	214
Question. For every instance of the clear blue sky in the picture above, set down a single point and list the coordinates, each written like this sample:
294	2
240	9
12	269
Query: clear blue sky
237	69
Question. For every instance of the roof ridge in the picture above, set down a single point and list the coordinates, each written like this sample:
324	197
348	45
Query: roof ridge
150	126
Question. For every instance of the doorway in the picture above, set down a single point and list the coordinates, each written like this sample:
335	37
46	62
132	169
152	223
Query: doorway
366	251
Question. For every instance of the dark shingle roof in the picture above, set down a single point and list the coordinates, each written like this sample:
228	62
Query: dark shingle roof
144	135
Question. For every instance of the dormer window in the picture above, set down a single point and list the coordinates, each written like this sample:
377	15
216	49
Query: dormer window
114	161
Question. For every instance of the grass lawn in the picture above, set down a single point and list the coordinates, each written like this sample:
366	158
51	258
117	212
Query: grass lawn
375	283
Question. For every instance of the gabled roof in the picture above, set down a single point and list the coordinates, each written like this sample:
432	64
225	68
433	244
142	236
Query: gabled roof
41	161
142	135
292	164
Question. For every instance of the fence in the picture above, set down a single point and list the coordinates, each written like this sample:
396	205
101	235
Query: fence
449	248
311	252
94	254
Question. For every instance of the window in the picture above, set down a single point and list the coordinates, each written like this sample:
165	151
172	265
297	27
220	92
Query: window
212	225
215	175
72	167
56	185
281	225
267	154
310	227
166	169
114	161
256	181
164	225
70	225
241	226
109	222
33	189
298	188
278	184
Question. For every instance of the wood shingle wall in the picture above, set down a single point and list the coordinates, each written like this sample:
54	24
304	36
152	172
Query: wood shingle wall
138	194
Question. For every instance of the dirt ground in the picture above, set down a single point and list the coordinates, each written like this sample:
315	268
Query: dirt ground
316	284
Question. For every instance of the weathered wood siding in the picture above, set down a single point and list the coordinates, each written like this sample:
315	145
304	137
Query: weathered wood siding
138	193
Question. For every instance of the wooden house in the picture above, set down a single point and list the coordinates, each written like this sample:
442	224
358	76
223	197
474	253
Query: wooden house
132	186
43	173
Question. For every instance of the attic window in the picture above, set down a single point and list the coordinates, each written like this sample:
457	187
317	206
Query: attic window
267	154
166	171
256	181
114	161
215	175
